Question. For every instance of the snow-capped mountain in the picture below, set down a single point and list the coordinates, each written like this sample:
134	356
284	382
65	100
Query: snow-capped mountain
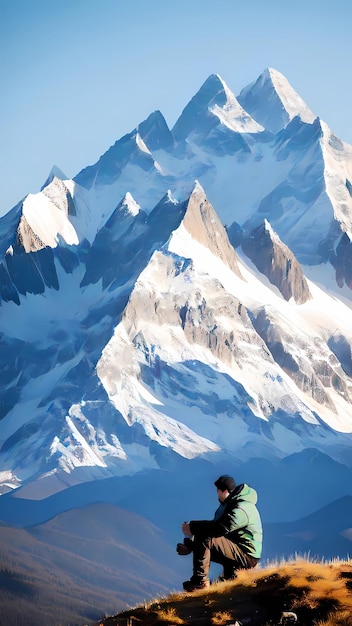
273	102
189	293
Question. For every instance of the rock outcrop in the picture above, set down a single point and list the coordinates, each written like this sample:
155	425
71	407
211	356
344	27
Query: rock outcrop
274	259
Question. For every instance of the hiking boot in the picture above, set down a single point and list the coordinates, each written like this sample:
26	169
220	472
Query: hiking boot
186	547
182	549
195	584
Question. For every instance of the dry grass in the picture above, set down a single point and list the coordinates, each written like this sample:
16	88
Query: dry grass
169	616
320	593
221	618
343	618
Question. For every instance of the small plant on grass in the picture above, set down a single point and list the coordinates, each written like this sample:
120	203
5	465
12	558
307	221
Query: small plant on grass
221	618
169	616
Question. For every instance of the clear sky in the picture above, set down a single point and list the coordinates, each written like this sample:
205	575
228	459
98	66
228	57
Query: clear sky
76	75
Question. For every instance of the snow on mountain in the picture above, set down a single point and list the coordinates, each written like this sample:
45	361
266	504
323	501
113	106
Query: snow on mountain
130	205
161	341
45	219
308	213
139	330
215	120
273	102
214	100
337	157
128	166
232	115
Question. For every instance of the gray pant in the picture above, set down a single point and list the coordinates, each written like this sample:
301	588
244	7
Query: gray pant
219	550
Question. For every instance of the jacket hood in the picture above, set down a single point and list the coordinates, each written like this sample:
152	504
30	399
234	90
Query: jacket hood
244	492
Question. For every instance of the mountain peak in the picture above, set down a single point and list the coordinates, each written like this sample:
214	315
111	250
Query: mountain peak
198	189
203	224
214	84
129	205
273	102
214	103
55	172
45	218
212	92
155	132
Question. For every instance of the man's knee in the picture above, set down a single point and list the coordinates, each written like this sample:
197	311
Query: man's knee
201	541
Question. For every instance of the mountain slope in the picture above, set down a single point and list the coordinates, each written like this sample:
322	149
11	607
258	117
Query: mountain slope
326	534
277	262
81	564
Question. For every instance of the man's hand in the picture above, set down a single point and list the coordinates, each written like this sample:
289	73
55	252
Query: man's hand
186	529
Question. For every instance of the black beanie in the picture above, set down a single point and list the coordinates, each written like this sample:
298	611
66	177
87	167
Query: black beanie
225	482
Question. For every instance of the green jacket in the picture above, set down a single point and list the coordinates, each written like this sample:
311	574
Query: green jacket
237	519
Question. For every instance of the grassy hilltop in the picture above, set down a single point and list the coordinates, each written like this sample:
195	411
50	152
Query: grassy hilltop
319	593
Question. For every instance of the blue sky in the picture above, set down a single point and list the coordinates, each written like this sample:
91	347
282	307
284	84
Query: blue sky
76	75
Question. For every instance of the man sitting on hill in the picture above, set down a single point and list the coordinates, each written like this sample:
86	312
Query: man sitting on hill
233	538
